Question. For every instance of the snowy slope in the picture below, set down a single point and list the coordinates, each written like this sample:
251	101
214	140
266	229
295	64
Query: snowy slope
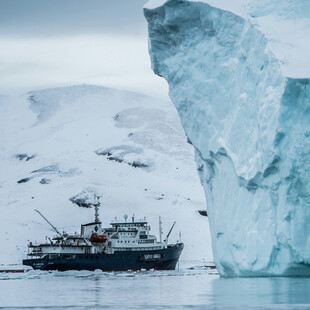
240	82
60	143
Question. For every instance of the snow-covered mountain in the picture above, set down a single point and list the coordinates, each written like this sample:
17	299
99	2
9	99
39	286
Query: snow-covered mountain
238	74
68	143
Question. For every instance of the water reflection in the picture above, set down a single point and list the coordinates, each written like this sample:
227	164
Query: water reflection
194	288
260	291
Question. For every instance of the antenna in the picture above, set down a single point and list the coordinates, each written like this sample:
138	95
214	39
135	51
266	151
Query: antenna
56	230
160	230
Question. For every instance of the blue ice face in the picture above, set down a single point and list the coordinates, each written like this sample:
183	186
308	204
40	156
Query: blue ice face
250	128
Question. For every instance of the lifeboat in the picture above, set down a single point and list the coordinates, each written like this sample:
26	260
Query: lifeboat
98	238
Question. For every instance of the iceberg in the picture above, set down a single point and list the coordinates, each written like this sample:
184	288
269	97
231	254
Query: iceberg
238	77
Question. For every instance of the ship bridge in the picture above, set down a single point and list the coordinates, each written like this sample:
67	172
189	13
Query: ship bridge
129	224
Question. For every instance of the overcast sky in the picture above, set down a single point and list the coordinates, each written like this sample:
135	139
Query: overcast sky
51	43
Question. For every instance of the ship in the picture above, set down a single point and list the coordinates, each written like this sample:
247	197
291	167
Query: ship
125	245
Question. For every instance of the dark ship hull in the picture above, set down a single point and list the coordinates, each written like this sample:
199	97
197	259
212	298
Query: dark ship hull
162	259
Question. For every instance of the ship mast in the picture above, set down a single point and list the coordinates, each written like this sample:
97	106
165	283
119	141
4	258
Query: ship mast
160	230
96	205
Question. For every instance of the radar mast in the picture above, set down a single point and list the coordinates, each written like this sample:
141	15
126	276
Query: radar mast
96	205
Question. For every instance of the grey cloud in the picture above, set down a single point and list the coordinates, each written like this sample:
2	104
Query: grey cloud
63	17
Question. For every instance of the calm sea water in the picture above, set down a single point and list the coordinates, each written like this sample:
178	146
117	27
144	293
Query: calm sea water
190	287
